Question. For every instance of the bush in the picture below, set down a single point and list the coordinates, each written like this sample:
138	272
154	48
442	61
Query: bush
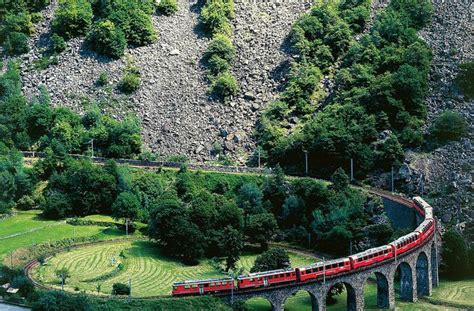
16	44
221	46
120	289
168	7
131	79
57	43
273	259
20	22
105	38
130	83
135	23
73	18
449	126
103	79
465	79
215	16
225	85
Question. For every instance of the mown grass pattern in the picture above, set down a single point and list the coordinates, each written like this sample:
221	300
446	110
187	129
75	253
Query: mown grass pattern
151	272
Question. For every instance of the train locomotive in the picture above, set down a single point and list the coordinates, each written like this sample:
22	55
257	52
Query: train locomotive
319	270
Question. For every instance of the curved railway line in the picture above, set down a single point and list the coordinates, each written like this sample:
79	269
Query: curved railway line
266	290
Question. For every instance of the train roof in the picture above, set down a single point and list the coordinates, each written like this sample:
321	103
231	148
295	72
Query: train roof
421	201
370	251
271	272
202	281
423	225
324	263
405	237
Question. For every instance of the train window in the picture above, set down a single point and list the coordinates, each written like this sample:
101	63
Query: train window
195	286
187	286
213	284
270	277
259	279
288	274
251	280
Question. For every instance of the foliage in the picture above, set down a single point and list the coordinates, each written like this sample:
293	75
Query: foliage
106	39
131	80
126	206
448	126
57	43
455	254
381	86
103	79
120	289
216	16
231	243
16	44
225	85
273	259
465	79
340	180
168	7
261	228
73	18
63	274
59	300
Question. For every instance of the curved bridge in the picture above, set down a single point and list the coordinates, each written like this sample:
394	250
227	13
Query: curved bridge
418	273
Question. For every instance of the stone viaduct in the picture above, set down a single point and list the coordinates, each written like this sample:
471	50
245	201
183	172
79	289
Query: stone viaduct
417	273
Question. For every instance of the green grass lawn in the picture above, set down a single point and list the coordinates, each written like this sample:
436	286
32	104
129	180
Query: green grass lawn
27	228
151	272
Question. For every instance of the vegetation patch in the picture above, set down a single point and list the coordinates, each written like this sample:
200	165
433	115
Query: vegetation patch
380	87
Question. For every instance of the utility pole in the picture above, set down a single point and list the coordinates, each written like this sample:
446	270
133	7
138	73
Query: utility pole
350	247
324	271
62	281
352	169
126	227
306	162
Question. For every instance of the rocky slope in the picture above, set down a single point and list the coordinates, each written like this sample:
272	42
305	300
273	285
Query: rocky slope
446	173
178	117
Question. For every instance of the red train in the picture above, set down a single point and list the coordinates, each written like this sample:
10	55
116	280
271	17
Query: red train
318	270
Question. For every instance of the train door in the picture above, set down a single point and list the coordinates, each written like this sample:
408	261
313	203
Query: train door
201	289
265	281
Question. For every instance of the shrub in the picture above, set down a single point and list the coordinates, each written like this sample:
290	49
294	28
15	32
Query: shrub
105	38
221	46
16	44
168	7
449	126
217	65
120	289
20	22
225	85
57	43
465	79
130	83
135	23
275	258
73	18
103	79
215	16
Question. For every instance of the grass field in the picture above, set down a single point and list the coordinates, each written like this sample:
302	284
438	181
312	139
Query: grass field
151	272
26	228
451	292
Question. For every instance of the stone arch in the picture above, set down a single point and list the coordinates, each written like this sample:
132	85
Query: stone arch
422	275
262	303
434	264
314	301
352	300
406	281
384	290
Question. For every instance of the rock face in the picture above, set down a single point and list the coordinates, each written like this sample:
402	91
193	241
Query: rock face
172	102
446	173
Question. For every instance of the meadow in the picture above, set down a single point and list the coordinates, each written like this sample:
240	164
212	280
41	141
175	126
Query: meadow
151	272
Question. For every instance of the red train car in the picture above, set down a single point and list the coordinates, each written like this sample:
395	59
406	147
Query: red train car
202	287
405	243
266	278
425	229
317	270
371	256
420	205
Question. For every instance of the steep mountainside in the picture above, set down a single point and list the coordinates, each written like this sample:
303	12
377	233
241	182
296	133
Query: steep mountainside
447	171
178	117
